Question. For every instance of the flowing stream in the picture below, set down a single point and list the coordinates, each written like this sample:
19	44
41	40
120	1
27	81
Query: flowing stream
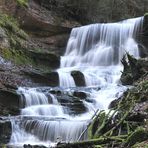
49	115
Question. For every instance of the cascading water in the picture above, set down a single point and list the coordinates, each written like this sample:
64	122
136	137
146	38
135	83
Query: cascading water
43	120
94	50
97	49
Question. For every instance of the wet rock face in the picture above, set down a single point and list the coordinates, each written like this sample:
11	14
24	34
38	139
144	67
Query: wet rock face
74	105
5	131
13	76
43	21
71	100
34	146
9	102
80	94
97	11
48	79
145	25
46	59
144	38
78	78
54	44
47	31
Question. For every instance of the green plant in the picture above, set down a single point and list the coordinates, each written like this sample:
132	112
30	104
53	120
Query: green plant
11	26
23	3
17	56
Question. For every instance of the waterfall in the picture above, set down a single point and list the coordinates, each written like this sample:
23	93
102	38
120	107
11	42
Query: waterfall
32	97
43	122
93	48
96	51
102	44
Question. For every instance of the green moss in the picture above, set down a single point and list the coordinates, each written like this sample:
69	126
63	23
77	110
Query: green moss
130	132
139	135
3	145
141	145
16	38
38	49
17	56
98	146
18	52
23	3
20	58
146	14
11	26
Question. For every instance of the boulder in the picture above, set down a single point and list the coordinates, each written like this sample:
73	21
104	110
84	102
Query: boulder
78	78
53	78
73	103
56	92
80	94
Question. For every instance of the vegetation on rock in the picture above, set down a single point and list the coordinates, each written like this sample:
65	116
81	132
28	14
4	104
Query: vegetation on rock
19	52
16	38
23	3
11	25
125	125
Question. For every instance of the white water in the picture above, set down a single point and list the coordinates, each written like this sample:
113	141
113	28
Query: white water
95	50
44	123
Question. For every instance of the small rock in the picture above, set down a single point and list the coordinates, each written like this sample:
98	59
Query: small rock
78	78
81	95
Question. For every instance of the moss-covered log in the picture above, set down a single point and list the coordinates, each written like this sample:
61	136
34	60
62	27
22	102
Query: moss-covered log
99	141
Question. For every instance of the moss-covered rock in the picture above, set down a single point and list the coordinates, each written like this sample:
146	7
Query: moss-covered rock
11	26
127	124
23	3
13	39
133	69
14	46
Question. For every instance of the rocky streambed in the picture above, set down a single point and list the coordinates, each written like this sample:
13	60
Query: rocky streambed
124	126
44	107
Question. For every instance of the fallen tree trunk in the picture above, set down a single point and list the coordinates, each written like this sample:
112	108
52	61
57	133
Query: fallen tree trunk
88	143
